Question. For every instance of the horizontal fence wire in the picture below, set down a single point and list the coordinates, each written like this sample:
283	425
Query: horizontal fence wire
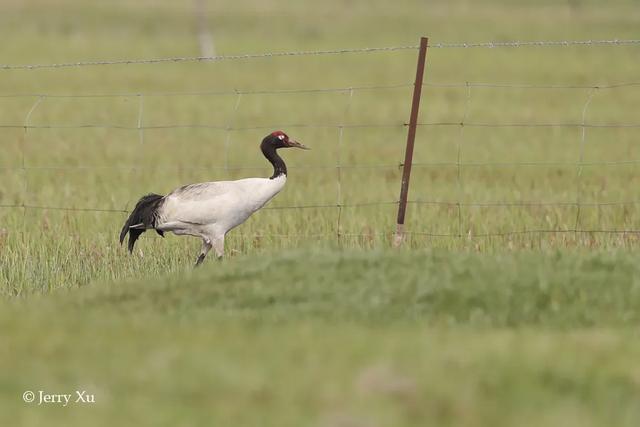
218	58
345	89
527	125
389	234
204	168
522	203
540	43
112	210
322	126
515	85
363	204
206	126
521	232
274	91
329	167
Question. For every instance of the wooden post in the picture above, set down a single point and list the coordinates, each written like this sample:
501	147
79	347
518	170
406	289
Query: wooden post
411	137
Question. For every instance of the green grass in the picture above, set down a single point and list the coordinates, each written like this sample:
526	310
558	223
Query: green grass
310	319
534	169
325	338
440	288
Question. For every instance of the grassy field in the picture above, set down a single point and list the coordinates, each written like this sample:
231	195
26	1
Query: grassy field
310	320
506	179
324	339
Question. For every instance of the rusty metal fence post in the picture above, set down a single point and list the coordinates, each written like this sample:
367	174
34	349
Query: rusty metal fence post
411	136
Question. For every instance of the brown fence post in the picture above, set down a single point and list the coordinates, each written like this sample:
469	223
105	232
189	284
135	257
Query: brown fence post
411	136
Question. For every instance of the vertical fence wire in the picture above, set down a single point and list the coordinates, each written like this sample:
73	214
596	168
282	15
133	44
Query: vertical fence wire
140	122
347	108
23	146
459	183
228	129
136	171
580	163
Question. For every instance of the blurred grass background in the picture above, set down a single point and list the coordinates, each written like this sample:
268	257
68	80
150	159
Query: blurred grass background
321	338
285	335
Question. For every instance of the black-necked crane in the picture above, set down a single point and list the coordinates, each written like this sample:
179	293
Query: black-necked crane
210	209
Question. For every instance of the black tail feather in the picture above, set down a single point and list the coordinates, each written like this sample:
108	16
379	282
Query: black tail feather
146	214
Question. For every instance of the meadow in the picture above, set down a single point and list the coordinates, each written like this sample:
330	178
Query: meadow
516	288
322	338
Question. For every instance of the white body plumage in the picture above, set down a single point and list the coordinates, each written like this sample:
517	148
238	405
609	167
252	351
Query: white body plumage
210	209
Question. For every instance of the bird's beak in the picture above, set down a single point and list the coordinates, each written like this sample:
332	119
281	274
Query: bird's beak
296	144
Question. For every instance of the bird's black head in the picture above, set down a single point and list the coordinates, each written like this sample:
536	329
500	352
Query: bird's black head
279	139
271	143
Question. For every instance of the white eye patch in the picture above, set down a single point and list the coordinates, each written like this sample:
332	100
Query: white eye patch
281	137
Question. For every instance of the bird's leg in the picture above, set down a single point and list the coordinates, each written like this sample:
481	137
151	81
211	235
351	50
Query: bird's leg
206	247
218	247
199	260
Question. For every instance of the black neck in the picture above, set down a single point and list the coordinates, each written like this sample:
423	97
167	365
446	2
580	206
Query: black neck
279	168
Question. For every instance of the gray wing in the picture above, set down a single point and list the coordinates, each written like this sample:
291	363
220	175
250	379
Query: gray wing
200	191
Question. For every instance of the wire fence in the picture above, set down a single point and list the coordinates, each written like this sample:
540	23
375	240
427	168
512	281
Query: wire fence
466	45
340	204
